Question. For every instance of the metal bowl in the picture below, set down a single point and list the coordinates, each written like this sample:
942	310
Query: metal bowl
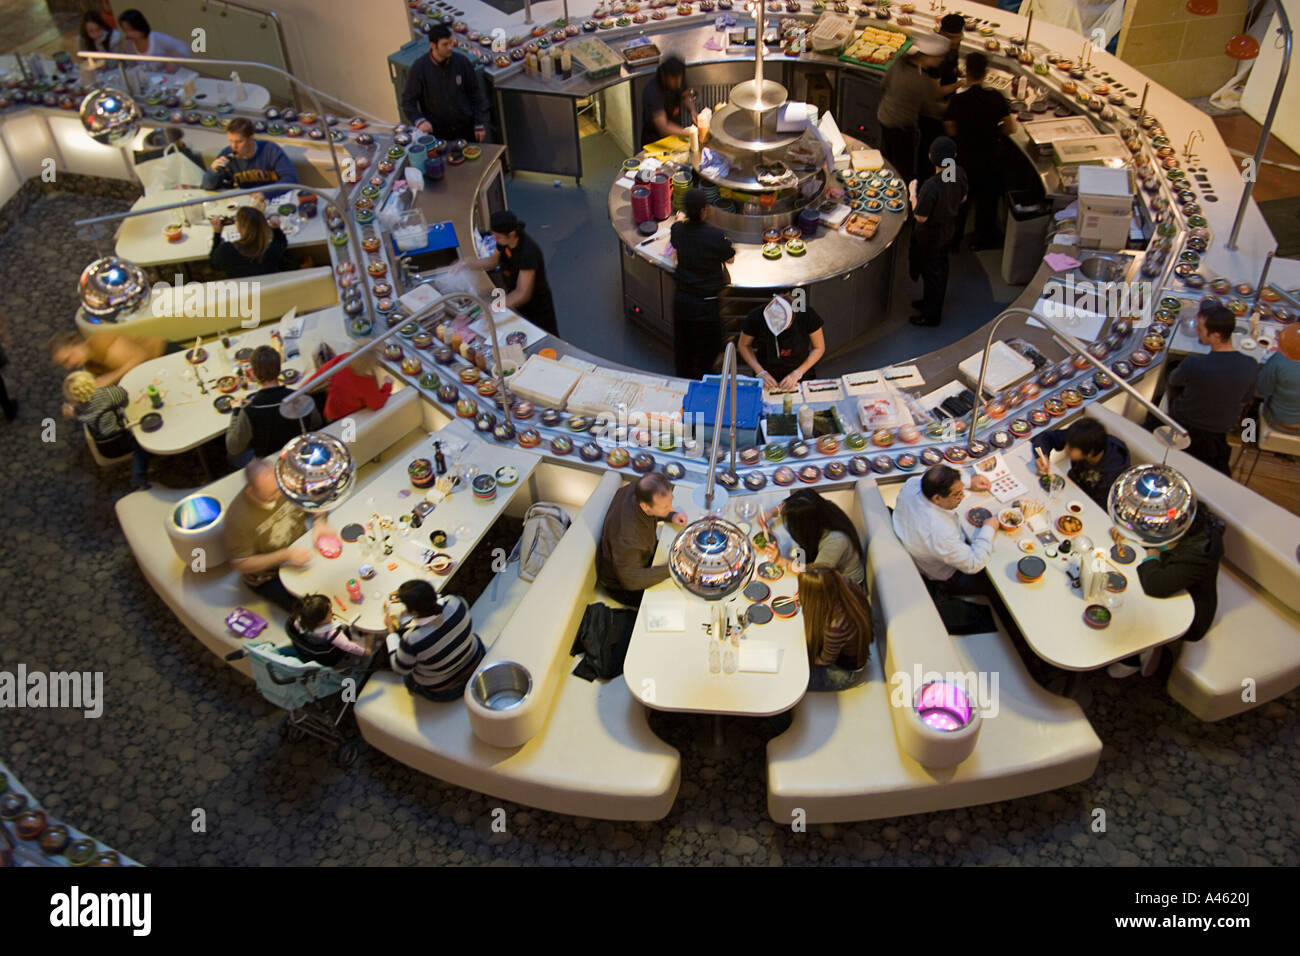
501	686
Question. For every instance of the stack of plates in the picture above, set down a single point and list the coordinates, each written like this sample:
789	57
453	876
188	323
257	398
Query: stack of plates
485	487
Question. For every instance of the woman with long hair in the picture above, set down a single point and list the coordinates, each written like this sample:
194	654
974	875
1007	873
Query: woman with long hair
822	534
836	626
260	248
96	36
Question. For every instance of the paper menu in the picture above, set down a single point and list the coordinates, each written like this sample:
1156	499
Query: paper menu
1003	484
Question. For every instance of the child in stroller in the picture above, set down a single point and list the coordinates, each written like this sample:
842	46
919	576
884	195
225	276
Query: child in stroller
309	679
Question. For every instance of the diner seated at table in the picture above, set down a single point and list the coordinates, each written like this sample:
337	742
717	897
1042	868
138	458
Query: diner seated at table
1191	564
248	162
139	37
353	387
1096	458
836	626
630	537
260	248
934	532
103	412
261	528
316	636
1208	391
438	651
821	531
106	355
1279	382
258	424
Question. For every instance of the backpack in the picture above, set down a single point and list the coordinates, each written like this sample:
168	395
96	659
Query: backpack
544	525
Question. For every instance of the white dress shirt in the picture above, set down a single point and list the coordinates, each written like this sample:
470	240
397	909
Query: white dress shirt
937	538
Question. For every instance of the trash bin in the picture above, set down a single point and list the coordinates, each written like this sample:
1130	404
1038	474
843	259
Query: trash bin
1028	216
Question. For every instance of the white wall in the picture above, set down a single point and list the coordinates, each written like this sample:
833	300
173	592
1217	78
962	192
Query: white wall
1263	78
343	48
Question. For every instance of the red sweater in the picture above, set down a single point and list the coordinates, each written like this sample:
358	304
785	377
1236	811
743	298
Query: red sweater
350	392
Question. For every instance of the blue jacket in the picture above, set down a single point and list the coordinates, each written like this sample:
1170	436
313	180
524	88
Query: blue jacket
269	164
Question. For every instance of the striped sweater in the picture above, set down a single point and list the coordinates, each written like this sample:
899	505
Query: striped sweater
102	413
434	649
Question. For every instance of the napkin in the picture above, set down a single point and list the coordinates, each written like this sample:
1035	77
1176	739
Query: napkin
759	657
1059	261
664	612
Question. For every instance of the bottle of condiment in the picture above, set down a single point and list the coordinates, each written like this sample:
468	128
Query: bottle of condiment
439	460
806	420
548	67
566	62
155	398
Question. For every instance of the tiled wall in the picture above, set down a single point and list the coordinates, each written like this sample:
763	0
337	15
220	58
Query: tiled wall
1179	50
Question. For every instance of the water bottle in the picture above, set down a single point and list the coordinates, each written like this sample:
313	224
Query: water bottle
729	658
715	657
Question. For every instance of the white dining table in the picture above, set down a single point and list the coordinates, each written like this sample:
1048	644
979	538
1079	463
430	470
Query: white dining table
669	669
140	239
189	415
1050	611
464	518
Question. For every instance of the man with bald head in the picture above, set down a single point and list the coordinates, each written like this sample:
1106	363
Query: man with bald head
261	528
630	536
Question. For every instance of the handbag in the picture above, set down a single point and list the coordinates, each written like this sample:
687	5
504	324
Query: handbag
603	638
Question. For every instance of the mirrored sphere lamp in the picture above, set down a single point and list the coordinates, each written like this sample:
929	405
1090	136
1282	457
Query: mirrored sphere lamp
1154	504
315	471
111	286
711	558
109	116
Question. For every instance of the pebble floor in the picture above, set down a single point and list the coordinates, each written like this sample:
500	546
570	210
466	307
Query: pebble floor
182	731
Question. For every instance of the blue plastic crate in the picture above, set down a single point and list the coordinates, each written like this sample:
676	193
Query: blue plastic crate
702	399
442	235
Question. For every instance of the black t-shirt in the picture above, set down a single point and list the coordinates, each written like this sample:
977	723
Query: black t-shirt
939	202
540	309
781	355
1208	390
977	112
702	254
653	99
945	72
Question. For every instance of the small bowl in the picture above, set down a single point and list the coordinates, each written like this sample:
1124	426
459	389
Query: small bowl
1011	520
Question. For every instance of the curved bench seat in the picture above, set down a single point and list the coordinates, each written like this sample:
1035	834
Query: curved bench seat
1254	642
587	749
202	599
856	754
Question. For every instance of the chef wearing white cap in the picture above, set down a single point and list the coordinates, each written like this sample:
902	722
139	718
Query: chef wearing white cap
906	89
782	340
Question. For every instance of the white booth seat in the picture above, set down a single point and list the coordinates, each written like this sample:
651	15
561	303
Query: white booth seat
588	749
203	599
308	289
854	755
1251	654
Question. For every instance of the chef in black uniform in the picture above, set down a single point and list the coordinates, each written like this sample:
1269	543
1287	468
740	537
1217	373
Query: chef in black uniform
703	252
523	269
666	107
937	204
782	343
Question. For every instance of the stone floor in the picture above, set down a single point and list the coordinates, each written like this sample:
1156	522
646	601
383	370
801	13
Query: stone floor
182	731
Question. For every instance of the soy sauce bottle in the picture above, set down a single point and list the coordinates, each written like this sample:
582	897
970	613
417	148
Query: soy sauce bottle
439	462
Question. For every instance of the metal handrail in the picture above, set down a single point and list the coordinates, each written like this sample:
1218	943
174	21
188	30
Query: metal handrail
287	407
729	375
1072	343
1266	129
353	236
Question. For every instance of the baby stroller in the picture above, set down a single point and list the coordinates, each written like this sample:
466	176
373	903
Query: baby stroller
310	693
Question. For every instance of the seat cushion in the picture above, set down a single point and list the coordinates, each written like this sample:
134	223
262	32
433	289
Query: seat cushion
595	757
1254	639
840	760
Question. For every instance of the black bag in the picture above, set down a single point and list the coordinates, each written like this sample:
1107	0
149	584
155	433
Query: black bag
603	637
